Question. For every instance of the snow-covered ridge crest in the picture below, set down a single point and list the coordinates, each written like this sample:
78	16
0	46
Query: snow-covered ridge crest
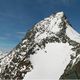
48	37
72	34
49	26
54	24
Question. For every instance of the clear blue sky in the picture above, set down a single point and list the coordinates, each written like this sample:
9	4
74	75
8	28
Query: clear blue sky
18	16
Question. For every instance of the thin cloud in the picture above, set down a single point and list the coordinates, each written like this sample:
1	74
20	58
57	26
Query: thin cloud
21	33
3	38
7	15
8	35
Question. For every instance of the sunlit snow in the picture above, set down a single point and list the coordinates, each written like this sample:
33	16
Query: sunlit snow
72	34
49	63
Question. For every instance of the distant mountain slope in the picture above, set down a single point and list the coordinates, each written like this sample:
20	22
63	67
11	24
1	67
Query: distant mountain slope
50	50
2	54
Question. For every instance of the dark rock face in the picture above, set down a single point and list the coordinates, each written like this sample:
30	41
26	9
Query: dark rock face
16	64
73	73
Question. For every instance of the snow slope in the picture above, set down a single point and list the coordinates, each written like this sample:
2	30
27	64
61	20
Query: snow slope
72	34
49	63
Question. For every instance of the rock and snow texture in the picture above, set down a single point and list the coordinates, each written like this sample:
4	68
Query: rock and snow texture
50	50
2	54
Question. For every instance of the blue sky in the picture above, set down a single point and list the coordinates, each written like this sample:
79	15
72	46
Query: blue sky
18	16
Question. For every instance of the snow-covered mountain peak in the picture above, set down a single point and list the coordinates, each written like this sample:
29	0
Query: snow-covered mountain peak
50	41
55	24
59	14
51	25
